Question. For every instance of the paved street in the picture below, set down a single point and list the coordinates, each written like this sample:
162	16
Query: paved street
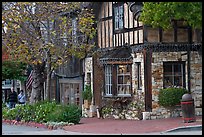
24	130
27	130
94	126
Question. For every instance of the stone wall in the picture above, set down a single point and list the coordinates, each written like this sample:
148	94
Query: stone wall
157	83
136	106
87	112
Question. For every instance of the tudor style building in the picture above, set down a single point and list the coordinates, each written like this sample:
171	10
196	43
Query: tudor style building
133	61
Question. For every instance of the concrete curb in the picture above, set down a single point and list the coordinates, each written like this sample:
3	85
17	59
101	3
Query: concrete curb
185	128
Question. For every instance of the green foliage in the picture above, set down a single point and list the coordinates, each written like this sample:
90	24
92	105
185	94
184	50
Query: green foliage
13	70
106	111
43	112
26	112
66	113
171	96
87	93
160	14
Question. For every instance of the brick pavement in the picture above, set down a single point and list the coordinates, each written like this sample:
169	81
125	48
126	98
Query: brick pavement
113	126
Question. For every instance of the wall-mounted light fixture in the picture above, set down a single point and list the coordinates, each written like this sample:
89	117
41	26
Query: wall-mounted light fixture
136	8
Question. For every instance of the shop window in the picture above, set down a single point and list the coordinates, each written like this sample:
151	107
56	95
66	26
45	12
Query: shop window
174	74
121	80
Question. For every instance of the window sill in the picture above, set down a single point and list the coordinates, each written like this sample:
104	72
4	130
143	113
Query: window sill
118	96
124	95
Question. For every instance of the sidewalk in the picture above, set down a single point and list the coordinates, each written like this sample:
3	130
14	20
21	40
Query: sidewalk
113	126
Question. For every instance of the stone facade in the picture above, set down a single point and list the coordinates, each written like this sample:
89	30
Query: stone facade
157	82
135	107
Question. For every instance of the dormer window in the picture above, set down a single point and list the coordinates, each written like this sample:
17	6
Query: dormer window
118	19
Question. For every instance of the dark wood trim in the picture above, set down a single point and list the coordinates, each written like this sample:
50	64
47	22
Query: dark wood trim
148	79
175	32
119	62
138	40
118	39
113	24
145	34
121	39
133	30
160	34
104	84
114	80
166	47
101	31
128	26
128	29
104	24
131	91
108	27
105	19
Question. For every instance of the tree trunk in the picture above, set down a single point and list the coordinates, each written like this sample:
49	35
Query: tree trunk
37	85
48	69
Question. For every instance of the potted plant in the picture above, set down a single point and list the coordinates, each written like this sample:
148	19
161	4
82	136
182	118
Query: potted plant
87	96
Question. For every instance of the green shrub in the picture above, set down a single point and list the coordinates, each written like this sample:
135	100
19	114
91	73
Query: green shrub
66	113
171	96
43	112
87	93
10	114
56	115
28	112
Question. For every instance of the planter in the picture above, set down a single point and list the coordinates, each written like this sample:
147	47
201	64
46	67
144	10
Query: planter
92	111
87	103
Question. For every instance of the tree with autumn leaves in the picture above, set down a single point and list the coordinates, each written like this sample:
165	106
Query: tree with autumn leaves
40	34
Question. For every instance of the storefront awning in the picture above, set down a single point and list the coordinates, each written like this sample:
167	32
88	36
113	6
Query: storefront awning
118	55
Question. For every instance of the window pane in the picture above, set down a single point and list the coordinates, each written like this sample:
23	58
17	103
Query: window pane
178	81
108	80
120	89
124	79
177	69
116	17
118	11
168	81
167	69
121	17
120	79
127	80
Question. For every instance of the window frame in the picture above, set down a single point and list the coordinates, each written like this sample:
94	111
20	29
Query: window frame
138	75
119	8
124	83
111	81
108	80
173	75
